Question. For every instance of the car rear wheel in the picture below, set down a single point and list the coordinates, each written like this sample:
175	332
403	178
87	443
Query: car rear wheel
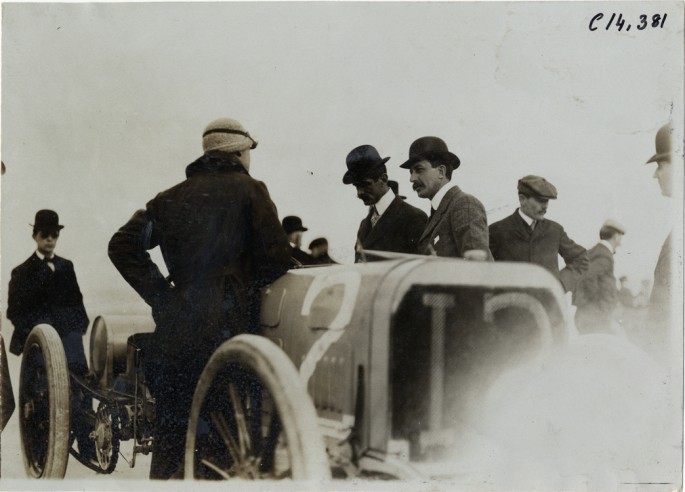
252	418
44	404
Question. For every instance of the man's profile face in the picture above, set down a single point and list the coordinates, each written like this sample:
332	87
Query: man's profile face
46	241
295	238
534	207
426	180
664	175
371	190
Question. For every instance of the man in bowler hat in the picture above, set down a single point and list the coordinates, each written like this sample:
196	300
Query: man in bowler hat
528	236
596	295
458	224
391	224
292	225
44	289
221	241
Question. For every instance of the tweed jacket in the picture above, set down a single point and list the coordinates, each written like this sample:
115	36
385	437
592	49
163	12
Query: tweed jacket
37	295
221	241
511	239
597	289
458	225
398	229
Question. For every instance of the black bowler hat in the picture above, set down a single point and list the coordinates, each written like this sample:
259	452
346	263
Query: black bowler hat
47	220
292	223
362	162
663	145
429	148
395	187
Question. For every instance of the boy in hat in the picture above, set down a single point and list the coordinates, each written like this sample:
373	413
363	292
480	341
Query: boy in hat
292	225
527	236
596	295
44	289
458	225
391	224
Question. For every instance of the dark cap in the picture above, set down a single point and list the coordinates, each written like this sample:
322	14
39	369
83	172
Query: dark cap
362	162
292	223
537	186
663	145
429	148
395	187
319	241
47	220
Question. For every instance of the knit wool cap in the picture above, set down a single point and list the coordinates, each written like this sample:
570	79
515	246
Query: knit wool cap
227	135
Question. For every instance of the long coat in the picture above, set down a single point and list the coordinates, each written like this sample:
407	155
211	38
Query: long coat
221	241
596	294
37	295
458	225
398	229
511	239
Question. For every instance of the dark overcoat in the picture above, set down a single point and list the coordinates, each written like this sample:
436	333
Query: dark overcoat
37	295
398	229
596	294
458	225
511	239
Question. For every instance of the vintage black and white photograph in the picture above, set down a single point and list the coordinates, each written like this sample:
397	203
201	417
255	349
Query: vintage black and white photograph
339	245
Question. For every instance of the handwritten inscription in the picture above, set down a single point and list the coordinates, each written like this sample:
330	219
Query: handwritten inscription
618	22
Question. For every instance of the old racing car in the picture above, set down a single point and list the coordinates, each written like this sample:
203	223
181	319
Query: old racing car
362	371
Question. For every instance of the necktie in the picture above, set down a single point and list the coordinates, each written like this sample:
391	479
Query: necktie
49	263
374	216
533	224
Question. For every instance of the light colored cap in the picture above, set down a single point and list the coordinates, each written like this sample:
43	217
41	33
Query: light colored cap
227	135
615	225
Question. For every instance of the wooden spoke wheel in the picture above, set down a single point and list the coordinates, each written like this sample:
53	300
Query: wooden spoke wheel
44	404
251	418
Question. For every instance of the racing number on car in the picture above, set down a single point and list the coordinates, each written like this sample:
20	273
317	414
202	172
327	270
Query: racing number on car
351	281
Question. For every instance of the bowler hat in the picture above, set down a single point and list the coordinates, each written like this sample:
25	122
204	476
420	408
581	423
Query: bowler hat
537	186
292	223
319	241
362	162
429	148
47	220
226	135
663	145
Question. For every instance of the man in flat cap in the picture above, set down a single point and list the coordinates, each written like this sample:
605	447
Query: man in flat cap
221	241
527	236
458	224
44	289
391	224
319	251
292	225
596	294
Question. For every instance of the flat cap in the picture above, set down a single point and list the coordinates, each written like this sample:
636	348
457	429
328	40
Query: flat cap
537	186
614	224
319	241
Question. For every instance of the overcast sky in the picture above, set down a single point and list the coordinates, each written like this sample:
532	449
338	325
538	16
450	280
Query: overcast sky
103	106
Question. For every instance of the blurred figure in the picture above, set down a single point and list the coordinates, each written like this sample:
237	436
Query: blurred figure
395	187
319	251
596	295
293	228
527	236
391	224
458	225
625	295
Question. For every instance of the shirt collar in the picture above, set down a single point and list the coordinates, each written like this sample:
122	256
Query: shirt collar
608	246
528	220
437	199
384	202
42	256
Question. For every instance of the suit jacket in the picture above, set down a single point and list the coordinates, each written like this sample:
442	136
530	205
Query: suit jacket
458	225
511	239
39	295
301	256
596	289
398	229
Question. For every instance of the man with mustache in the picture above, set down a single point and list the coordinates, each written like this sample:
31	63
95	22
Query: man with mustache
458	225
391	224
527	236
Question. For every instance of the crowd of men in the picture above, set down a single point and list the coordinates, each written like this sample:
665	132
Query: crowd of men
222	241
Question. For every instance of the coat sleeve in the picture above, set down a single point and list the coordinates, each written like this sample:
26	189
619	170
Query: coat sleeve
469	226
27	289
128	252
270	247
78	319
576	260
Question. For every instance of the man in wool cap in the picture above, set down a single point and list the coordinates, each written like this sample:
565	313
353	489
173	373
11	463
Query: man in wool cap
527	235
221	240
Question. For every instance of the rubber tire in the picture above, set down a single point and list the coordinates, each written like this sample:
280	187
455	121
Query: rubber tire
273	368
44	341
